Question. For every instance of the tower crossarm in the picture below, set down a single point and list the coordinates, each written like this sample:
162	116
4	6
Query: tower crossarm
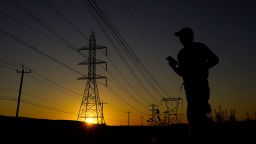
97	47
172	99
87	77
96	62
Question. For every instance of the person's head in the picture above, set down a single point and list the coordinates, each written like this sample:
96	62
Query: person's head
186	35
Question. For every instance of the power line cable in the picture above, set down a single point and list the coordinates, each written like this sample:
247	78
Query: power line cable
133	107
118	83
47	107
37	31
10	63
54	87
45	100
39	51
127	92
126	81
8	99
64	18
130	52
39	21
49	4
56	84
7	67
97	18
38	105
43	77
26	94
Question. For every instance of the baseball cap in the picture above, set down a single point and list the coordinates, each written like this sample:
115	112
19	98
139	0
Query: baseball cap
186	31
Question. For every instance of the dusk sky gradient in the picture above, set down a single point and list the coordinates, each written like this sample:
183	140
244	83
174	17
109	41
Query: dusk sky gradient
148	26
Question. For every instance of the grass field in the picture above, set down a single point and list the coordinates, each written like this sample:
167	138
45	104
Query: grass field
28	130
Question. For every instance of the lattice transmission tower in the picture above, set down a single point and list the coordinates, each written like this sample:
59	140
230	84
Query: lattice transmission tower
91	108
171	114
155	116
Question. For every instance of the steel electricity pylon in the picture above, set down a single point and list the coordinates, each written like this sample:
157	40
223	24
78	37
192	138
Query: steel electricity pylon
172	107
155	116
91	108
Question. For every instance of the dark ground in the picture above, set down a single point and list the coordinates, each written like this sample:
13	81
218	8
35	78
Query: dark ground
28	130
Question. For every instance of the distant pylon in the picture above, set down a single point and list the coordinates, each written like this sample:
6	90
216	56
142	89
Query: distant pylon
172	107
155	116
91	109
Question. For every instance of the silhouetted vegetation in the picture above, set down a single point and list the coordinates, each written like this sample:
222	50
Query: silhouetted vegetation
224	115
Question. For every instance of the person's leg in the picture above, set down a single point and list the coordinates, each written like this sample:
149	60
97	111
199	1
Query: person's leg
197	97
192	116
199	124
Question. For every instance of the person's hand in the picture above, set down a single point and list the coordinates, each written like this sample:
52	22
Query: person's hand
172	61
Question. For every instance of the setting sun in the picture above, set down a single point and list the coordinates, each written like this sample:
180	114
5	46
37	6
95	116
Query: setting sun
91	120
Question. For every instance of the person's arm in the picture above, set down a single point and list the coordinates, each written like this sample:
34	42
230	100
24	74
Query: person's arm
212	59
173	63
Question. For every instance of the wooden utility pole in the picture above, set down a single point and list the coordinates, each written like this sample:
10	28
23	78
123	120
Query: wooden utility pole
22	71
142	120
128	118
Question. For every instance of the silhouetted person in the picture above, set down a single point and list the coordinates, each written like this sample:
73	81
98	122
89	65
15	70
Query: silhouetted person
193	64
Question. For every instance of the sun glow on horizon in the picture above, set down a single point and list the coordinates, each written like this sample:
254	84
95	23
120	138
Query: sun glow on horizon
91	120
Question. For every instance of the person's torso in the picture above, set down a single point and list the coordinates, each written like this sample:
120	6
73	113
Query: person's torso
192	61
